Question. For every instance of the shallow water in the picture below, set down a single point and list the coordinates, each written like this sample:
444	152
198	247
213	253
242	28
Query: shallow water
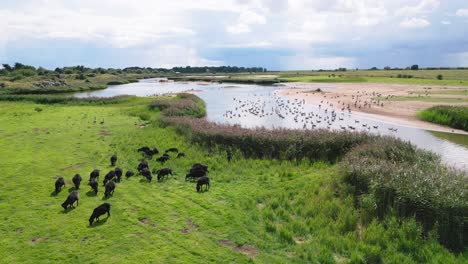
256	106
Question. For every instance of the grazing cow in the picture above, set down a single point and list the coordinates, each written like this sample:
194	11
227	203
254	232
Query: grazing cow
175	150
77	181
180	155
129	174
113	160
94	185
109	176
195	174
199	166
142	165
118	174
94	174
71	199
144	149
198	170
59	183
203	181
147	174
163	173
110	187
98	211
163	159
148	152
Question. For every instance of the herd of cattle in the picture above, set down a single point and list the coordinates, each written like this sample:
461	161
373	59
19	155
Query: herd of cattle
198	172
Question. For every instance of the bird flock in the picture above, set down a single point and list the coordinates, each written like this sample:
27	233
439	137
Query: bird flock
326	114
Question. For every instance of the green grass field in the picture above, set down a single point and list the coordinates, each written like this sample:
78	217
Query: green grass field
261	211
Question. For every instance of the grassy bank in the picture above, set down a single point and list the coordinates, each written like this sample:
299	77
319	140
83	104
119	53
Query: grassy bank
257	210
452	116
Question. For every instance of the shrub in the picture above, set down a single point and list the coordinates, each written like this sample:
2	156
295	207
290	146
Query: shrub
183	105
410	182
440	77
452	116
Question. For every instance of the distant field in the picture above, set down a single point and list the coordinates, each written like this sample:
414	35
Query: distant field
426	99
423	74
447	92
362	78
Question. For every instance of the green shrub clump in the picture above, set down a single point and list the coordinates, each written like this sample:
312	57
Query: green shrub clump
452	116
400	179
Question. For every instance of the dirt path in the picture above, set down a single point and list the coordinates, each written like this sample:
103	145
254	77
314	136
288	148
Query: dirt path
370	99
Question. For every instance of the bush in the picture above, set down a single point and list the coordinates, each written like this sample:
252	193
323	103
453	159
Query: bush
440	77
183	105
452	116
409	182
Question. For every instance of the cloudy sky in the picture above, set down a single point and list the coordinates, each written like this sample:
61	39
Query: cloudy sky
276	34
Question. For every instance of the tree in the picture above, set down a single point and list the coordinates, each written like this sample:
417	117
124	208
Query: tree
7	67
440	77
415	67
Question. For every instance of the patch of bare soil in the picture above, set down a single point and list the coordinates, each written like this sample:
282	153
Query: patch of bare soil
74	166
146	221
247	250
105	133
36	240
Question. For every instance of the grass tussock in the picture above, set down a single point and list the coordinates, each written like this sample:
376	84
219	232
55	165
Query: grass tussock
452	116
393	177
183	104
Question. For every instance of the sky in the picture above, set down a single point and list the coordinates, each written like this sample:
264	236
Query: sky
275	34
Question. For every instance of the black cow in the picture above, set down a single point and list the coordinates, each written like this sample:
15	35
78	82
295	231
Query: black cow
163	173
142	165
175	150
94	174
94	185
98	211
110	187
113	160
71	199
198	170
118	174
148	152
59	183
129	174
180	155
199	166
77	181
163	159
203	181
109	176
147	174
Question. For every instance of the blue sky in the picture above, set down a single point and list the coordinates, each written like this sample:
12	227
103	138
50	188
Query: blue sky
276	34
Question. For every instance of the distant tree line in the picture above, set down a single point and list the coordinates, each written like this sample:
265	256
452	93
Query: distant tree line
416	67
19	70
224	69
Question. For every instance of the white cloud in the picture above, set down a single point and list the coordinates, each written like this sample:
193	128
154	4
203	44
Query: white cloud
258	44
462	12
245	21
301	62
423	7
414	23
169	56
445	22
